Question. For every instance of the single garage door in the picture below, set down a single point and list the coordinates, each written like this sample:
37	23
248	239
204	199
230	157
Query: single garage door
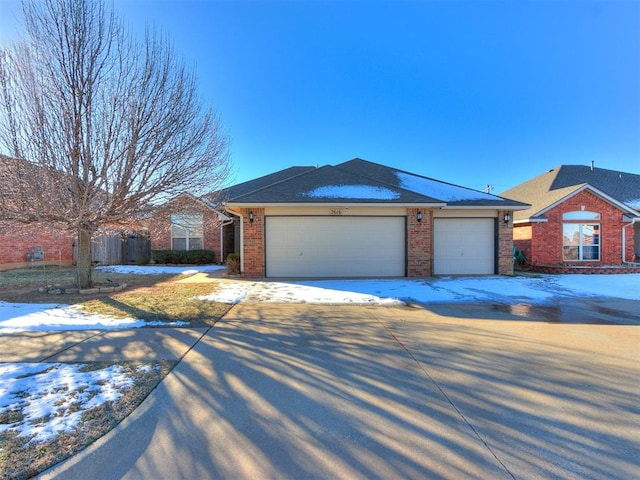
335	246
464	246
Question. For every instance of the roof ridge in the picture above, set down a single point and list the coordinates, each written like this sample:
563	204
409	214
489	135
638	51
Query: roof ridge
420	176
306	172
382	182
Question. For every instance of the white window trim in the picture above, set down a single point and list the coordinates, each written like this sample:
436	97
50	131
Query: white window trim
187	238
581	245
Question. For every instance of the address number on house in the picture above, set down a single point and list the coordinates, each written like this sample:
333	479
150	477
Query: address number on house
335	211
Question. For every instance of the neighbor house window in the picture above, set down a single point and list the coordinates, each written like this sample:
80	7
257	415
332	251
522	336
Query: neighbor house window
186	231
581	236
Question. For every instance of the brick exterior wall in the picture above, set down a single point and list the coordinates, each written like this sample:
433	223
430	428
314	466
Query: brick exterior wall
160	232
505	244
253	248
544	245
419	243
57	246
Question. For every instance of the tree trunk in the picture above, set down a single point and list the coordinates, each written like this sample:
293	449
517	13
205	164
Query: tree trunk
83	261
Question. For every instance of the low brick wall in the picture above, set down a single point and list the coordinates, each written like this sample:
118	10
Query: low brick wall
588	270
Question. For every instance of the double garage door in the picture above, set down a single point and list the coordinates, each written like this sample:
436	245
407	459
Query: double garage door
335	246
373	246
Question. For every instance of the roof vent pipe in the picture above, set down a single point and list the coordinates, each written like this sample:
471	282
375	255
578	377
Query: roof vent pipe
592	164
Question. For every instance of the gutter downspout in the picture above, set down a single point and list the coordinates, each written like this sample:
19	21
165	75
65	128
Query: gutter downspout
235	212
624	238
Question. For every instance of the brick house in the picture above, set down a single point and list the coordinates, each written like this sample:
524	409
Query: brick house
190	223
18	241
581	218
362	219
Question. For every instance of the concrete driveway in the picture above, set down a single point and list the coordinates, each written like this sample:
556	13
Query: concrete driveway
303	391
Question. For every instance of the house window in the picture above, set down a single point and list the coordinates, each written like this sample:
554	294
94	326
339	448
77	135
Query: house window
186	231
581	236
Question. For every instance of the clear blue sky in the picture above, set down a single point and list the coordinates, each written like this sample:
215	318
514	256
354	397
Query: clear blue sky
472	93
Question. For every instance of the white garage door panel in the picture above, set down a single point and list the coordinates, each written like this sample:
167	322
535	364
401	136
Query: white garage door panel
335	246
464	246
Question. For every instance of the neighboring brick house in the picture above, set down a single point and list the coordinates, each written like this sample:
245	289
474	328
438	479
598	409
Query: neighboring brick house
189	223
17	240
581	218
362	219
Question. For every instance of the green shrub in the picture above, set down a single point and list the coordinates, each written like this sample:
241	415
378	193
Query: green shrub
189	257
233	263
198	257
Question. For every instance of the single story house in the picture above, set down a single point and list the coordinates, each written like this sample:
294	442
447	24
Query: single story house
190	223
363	219
580	216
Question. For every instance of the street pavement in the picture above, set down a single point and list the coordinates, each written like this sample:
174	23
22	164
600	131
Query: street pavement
320	391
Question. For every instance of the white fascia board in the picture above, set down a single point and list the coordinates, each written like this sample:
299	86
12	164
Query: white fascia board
483	207
233	205
531	220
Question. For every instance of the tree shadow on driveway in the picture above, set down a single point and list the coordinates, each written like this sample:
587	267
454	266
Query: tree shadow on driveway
303	391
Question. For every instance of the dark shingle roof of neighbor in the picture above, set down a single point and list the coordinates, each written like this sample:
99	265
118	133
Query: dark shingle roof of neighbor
361	181
552	186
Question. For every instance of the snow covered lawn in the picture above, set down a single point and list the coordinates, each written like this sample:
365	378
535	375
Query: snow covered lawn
161	269
61	392
504	290
524	289
51	410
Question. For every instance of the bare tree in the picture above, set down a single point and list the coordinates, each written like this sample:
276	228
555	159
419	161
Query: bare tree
103	127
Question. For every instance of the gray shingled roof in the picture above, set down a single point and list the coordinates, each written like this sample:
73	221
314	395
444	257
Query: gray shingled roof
261	182
552	186
361	181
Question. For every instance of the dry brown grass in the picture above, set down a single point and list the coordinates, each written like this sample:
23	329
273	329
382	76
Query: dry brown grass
23	284
147	297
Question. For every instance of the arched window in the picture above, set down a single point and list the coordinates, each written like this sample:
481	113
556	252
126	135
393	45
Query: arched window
581	236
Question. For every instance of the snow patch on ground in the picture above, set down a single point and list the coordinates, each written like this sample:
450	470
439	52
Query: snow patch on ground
530	289
160	269
52	397
29	317
501	289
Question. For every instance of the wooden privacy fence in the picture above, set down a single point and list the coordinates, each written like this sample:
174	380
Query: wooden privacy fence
119	248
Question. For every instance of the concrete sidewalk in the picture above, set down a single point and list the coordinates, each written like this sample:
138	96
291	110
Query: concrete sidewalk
306	391
99	345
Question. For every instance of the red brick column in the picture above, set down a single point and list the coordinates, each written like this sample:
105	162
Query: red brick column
419	243
505	244
253	233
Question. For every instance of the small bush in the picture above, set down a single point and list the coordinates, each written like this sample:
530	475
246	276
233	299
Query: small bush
198	257
189	257
233	263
